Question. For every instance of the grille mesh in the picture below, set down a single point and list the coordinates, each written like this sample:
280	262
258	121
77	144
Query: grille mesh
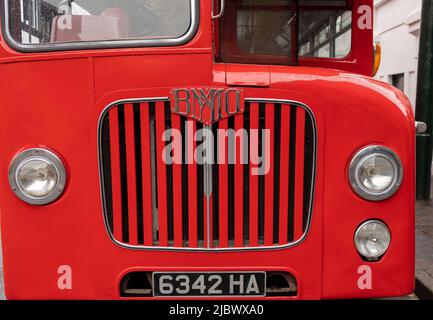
216	205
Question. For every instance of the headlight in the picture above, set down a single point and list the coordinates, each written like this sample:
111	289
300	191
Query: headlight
372	239
37	176
375	173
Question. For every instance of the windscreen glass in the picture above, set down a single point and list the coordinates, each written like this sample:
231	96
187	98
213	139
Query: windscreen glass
68	21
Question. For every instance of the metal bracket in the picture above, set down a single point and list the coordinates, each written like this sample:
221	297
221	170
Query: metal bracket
222	9
421	127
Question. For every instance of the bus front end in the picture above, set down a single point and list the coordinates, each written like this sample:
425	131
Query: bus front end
233	149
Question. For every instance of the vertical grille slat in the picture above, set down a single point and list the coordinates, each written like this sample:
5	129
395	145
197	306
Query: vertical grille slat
185	191
299	175
223	187
200	195
277	170
138	173
292	172
154	172
256	192
284	175
231	183
254	179
146	165
262	177
192	187
131	173
123	175
239	140
166	155
177	183
246	195
215	192
115	173
269	176
160	124
309	160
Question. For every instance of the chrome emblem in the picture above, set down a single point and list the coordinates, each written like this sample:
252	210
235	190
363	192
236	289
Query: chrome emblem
207	105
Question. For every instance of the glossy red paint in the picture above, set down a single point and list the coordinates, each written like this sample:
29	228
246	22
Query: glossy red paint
54	100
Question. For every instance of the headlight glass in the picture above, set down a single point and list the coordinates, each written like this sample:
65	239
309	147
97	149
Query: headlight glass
372	239
375	173
37	176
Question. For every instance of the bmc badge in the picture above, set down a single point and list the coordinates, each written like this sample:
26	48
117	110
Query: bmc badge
207	105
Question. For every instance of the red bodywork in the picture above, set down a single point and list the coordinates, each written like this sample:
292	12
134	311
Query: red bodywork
54	100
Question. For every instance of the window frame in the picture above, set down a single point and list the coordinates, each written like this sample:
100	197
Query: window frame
103	44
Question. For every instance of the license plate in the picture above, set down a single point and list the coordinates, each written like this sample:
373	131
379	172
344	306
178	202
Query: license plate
199	284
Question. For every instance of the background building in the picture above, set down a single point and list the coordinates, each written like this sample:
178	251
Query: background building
397	28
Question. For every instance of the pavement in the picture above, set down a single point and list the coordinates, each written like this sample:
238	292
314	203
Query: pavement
424	254
424	249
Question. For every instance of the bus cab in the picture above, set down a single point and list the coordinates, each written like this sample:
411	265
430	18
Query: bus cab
201	149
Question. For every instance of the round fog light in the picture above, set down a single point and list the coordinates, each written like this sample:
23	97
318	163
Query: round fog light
37	176
372	239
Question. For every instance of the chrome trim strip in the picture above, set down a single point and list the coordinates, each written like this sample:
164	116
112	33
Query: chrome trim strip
222	10
112	44
186	249
208	192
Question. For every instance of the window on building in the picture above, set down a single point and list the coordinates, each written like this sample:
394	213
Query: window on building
397	80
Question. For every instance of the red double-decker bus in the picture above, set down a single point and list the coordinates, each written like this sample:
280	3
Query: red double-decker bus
156	149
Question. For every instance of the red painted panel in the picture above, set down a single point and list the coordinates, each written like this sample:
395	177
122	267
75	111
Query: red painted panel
131	172
115	173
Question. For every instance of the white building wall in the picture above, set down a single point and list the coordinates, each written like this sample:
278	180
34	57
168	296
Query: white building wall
397	28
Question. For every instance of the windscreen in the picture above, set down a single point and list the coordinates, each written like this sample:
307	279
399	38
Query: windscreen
68	21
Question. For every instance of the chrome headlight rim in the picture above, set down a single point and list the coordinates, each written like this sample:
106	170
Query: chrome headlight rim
360	229
43	155
360	158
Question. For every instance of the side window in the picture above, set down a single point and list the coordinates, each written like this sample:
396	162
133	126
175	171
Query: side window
325	34
259	31
279	31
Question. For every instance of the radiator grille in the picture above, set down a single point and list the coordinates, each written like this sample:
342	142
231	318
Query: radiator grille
217	205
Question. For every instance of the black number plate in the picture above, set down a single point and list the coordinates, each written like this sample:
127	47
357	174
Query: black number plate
199	284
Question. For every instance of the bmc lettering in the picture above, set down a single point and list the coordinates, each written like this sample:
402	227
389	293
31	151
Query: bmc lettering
207	105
